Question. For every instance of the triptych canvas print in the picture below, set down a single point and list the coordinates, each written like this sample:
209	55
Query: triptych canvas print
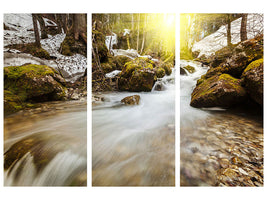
131	84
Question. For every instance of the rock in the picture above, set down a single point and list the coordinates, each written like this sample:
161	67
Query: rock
182	71
137	75
120	61
252	79
160	72
31	83
218	91
131	100
190	69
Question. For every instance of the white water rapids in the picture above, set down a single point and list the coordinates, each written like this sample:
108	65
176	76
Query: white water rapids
134	145
188	82
54	138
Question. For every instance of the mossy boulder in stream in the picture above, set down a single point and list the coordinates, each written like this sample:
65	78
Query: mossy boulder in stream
137	75
190	69
31	83
252	79
218	91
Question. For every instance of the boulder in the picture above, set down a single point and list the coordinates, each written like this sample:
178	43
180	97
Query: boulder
190	69
131	100
182	71
137	75
218	91
252	79
31	83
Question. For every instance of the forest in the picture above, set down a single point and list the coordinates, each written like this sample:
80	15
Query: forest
221	74
133	99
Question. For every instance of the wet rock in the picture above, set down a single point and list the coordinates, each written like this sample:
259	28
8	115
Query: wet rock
131	100
190	69
253	80
222	91
31	83
137	75
182	71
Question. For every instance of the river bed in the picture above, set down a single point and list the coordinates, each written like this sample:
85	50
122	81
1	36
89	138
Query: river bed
218	147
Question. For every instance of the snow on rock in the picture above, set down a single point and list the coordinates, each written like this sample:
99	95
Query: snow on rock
20	29
126	31
72	67
113	74
12	58
49	22
111	40
52	44
212	43
131	53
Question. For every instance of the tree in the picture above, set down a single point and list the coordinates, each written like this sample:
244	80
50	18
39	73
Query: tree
229	44
36	31
243	29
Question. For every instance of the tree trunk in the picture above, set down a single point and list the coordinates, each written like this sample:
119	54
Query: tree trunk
243	30
36	31
42	26
137	43
144	33
229	44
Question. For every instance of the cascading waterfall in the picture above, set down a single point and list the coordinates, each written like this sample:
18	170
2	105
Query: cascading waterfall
47	148
134	145
187	83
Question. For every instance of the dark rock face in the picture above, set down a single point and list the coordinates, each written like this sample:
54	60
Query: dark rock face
182	71
190	69
31	83
218	91
131	100
222	84
252	79
137	75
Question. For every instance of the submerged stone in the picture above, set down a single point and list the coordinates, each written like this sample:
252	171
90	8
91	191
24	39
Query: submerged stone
131	100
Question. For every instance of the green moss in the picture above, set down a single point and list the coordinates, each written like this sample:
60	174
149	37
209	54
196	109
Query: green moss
26	83
190	69
160	72
254	64
66	46
14	72
32	49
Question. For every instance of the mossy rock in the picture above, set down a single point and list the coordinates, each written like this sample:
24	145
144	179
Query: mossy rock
30	83
120	61
137	75
32	49
252	79
99	46
218	91
167	67
160	72
190	69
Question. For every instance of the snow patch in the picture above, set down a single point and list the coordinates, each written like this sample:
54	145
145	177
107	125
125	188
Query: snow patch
113	74
214	42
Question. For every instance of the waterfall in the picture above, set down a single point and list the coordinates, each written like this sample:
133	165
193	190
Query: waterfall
187	83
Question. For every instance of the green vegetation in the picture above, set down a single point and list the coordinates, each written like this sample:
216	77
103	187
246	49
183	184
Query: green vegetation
32	49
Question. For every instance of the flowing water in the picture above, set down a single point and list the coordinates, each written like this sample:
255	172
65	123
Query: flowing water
218	147
46	146
134	145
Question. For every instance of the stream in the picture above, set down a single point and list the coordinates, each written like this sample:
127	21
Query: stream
135	145
46	146
218	147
